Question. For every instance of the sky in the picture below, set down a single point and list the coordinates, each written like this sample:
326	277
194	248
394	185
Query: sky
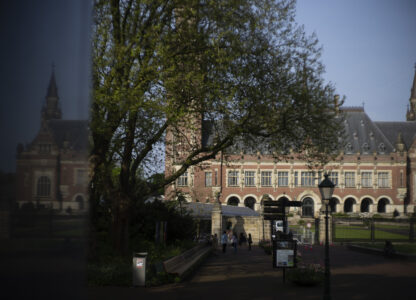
369	50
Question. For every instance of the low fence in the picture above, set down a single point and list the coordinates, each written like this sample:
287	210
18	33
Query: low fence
365	229
306	233
47	224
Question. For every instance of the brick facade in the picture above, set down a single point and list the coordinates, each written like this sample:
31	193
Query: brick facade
52	171
375	172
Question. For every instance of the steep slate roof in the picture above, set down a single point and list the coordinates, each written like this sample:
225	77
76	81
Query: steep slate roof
203	210
392	129
73	131
362	135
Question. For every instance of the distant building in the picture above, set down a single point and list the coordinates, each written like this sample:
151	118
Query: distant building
52	171
374	173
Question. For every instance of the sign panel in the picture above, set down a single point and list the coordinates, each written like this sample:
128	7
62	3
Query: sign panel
270	203
285	258
139	263
273	217
284	253
272	210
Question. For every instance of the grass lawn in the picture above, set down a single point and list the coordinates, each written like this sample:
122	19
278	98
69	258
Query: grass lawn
348	232
363	232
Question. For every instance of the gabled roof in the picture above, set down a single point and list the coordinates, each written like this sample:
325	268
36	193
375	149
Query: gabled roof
75	132
392	129
362	135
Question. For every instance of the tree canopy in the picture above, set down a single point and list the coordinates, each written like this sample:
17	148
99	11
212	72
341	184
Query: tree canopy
164	66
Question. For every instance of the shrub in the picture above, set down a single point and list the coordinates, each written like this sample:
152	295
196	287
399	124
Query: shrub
306	274
301	222
266	246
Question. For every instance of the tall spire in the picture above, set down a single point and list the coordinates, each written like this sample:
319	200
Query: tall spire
413	90
411	112
51	108
52	89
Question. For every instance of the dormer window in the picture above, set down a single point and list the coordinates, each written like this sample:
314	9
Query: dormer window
366	148
44	148
381	148
348	148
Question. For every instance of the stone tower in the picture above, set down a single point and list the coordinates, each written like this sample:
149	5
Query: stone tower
51	109
411	111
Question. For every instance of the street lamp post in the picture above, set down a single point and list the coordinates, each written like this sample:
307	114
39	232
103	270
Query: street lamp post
326	187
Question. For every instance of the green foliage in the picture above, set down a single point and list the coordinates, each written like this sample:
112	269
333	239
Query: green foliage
301	222
180	225
161	67
109	268
266	246
340	215
306	274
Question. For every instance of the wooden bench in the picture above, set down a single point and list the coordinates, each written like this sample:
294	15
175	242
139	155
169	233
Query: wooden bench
184	262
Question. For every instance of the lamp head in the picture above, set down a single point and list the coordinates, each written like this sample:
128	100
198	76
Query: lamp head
326	188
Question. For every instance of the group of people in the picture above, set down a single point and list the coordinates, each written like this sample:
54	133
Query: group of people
231	238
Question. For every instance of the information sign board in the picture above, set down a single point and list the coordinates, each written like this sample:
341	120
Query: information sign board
284	253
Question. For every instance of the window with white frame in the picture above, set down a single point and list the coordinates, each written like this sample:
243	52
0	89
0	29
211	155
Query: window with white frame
43	187
81	177
366	179
307	179
383	179
232	178
333	176
208	179
282	178
266	178
249	179
349	179
216	178
183	179
295	175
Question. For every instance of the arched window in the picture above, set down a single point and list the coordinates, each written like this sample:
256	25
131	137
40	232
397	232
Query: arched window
381	205
233	201
43	187
308	207
365	205
348	205
333	204
80	201
249	202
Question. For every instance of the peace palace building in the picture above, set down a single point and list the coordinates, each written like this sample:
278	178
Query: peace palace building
52	171
374	174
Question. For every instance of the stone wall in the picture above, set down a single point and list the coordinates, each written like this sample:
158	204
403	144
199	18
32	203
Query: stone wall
255	226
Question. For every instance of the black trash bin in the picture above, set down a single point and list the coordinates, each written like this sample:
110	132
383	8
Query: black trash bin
139	268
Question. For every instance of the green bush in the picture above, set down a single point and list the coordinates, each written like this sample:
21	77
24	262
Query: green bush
306	275
301	222
340	215
266	246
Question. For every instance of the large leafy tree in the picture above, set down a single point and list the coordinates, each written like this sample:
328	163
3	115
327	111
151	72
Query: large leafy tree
160	67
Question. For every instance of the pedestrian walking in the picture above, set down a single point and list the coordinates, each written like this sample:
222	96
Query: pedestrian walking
224	240
250	241
234	242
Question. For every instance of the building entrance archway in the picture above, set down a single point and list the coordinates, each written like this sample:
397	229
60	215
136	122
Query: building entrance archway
249	202
234	201
348	205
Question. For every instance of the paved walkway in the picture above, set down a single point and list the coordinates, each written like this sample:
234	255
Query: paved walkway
249	275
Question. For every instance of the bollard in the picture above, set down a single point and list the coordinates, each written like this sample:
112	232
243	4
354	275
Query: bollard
139	269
